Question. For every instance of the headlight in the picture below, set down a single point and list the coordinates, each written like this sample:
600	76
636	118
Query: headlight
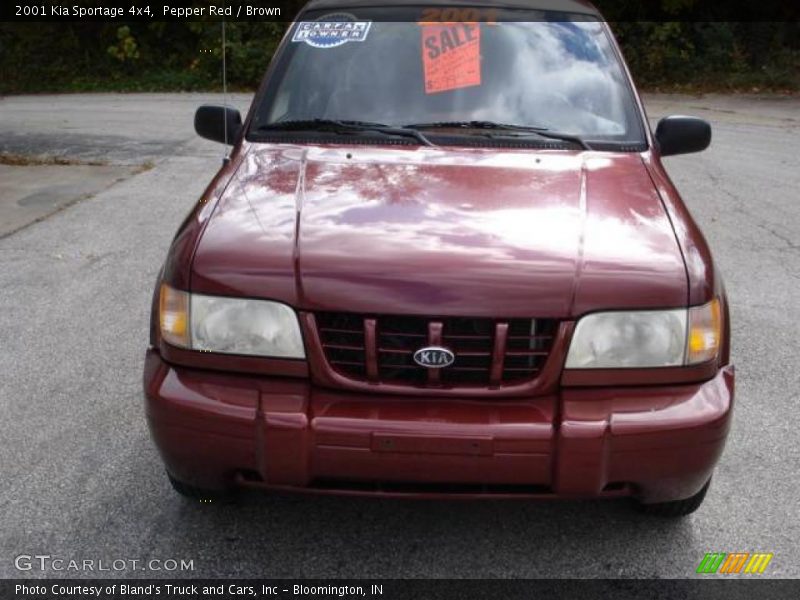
230	325
643	339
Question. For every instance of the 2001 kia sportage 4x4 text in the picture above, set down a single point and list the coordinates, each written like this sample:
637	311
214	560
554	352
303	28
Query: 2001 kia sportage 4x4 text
444	259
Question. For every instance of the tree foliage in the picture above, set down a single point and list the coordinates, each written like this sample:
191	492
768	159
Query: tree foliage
156	56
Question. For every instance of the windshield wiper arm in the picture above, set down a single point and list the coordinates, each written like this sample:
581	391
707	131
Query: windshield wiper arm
473	125
345	126
312	124
540	131
565	137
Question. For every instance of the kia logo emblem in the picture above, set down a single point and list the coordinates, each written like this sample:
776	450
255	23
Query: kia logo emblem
434	357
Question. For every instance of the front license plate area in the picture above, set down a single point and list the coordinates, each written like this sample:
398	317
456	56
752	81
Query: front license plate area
420	444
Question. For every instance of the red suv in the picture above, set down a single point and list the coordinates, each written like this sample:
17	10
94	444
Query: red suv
443	260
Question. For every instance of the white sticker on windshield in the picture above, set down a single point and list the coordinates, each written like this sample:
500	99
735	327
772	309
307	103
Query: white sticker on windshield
330	31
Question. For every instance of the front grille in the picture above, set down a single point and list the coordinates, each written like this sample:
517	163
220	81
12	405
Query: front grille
489	352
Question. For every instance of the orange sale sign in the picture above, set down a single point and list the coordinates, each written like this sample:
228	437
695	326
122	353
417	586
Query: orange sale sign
451	56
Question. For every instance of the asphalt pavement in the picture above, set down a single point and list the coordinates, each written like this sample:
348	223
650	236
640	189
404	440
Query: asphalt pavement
82	480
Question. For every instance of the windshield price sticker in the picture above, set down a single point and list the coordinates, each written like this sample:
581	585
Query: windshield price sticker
451	56
331	31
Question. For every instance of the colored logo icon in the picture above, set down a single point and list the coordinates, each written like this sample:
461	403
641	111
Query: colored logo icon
735	562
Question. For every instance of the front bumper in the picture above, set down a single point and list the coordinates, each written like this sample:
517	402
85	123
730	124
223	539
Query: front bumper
656	443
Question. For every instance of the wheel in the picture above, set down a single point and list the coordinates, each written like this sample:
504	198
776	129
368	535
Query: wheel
678	508
202	495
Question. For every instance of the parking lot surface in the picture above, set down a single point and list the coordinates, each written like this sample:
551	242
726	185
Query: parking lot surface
82	480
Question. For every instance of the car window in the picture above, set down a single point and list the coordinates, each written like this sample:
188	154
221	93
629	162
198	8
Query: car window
559	75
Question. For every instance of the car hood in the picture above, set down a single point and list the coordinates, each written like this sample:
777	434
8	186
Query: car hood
471	232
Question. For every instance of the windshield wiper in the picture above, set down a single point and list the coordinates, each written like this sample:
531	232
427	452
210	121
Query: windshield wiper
540	131
344	126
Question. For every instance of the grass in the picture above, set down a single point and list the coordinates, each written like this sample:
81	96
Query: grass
151	81
24	160
753	82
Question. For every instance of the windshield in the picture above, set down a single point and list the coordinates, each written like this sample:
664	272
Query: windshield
558	75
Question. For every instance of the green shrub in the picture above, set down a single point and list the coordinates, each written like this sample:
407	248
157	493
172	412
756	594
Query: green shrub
79	56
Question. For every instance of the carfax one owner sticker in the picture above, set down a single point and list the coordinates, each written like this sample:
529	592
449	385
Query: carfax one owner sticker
331	30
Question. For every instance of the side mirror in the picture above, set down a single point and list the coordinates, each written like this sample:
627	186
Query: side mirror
682	135
213	122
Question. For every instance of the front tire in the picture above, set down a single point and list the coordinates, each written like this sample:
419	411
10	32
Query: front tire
677	508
